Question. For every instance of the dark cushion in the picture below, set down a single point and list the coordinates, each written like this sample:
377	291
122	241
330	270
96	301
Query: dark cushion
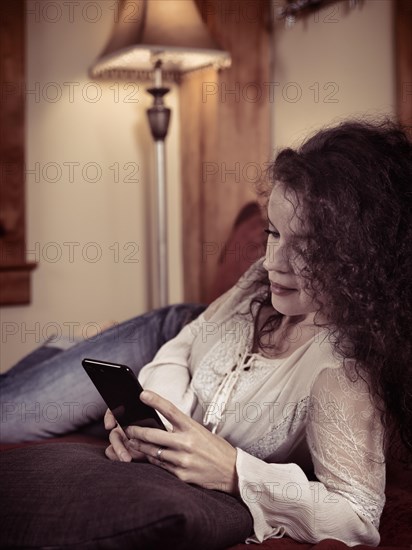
71	495
245	244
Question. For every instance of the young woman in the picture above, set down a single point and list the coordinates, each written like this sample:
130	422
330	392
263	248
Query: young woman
286	390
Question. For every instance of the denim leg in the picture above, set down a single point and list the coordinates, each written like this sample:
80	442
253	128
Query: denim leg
55	396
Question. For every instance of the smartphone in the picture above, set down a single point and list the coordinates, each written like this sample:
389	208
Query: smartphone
121	391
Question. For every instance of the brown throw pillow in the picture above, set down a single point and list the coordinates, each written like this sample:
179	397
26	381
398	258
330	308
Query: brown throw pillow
70	495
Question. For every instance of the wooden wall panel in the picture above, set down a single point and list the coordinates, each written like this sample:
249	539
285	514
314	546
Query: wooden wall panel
225	125
198	135
14	270
403	49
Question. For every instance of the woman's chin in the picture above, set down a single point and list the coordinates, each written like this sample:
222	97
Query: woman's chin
289	307
281	307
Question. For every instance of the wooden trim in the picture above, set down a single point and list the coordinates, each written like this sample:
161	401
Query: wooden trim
225	130
198	133
403	55
15	284
14	270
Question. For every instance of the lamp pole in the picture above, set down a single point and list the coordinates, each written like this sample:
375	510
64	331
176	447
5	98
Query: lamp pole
159	117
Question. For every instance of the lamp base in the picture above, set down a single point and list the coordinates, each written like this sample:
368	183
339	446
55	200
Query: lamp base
159	115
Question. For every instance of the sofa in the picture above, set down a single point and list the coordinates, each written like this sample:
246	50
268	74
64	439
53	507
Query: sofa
64	493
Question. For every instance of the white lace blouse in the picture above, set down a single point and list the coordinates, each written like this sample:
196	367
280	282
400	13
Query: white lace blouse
286	417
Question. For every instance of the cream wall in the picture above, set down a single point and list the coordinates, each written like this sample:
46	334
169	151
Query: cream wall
89	159
330	66
335	64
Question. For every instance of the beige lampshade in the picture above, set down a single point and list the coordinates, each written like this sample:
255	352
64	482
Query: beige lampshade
148	30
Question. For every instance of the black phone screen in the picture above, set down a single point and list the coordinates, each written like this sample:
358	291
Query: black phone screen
120	389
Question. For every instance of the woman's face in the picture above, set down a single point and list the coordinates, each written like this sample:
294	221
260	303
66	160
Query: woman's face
282	262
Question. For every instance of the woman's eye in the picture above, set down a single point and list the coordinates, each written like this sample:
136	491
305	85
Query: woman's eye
273	233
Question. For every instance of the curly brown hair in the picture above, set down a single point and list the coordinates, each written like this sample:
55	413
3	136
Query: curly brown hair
354	185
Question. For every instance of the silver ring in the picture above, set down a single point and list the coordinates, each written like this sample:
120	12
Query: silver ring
159	453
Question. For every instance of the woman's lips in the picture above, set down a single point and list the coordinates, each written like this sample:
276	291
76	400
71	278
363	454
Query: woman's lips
280	290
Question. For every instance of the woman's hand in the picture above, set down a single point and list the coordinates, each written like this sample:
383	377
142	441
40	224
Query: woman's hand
190	452
119	448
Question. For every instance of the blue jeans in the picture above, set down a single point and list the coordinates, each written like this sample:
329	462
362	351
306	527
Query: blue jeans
48	392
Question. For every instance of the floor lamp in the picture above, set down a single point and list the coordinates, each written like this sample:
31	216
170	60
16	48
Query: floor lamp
160	39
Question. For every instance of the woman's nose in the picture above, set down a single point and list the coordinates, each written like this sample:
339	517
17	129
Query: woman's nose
276	258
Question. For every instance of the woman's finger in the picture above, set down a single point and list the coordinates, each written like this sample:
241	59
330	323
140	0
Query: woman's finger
179	420
109	420
169	466
117	439
109	452
153	436
148	449
133	447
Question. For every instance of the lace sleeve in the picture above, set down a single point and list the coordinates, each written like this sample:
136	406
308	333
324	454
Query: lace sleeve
344	435
345	438
168	374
